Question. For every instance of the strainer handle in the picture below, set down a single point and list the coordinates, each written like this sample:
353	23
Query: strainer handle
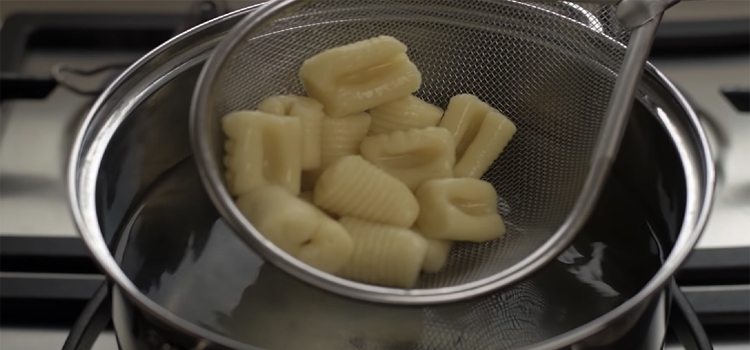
623	93
643	17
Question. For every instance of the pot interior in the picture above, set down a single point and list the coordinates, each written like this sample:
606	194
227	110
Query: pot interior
171	242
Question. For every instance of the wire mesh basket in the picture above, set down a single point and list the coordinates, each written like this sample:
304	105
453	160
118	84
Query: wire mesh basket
551	66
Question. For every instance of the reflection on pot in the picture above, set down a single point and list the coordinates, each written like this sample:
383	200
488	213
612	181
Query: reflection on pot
186	258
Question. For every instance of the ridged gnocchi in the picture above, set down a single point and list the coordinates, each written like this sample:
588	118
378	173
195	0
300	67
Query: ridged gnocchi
361	178
359	76
480	131
405	113
461	209
412	156
310	113
262	149
354	187
297	227
342	136
384	255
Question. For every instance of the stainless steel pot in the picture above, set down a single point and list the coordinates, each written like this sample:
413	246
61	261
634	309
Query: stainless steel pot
180	280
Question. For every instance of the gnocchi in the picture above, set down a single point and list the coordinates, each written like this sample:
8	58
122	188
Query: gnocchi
310	113
361	178
342	136
436	255
480	131
306	196
356	77
354	187
383	254
405	113
263	149
308	180
413	156
297	227
459	209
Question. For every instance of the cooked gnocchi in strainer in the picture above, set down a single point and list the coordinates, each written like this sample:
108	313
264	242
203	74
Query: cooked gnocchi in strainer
361	178
262	149
412	156
480	131
460	209
355	187
341	136
384	255
359	76
297	227
405	113
436	255
310	113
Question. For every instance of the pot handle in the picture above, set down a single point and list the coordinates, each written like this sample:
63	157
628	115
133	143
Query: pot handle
95	316
684	323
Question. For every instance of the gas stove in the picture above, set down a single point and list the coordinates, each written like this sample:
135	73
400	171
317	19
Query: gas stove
57	55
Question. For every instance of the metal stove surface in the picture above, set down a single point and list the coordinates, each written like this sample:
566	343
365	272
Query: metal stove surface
705	81
35	138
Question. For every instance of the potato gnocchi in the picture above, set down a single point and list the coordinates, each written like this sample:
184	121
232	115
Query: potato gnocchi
297	227
480	131
436	255
361	178
342	136
359	76
405	113
384	255
459	209
412	156
310	113
355	187
306	196
263	149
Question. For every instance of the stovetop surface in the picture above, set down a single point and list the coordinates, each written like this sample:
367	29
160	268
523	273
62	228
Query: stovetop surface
702	80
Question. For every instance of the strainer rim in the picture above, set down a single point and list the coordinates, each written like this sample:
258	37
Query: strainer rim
209	165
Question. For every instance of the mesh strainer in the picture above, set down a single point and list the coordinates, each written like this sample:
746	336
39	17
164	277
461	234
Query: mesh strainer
551	66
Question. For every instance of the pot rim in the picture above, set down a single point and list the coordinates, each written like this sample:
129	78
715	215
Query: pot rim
83	168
